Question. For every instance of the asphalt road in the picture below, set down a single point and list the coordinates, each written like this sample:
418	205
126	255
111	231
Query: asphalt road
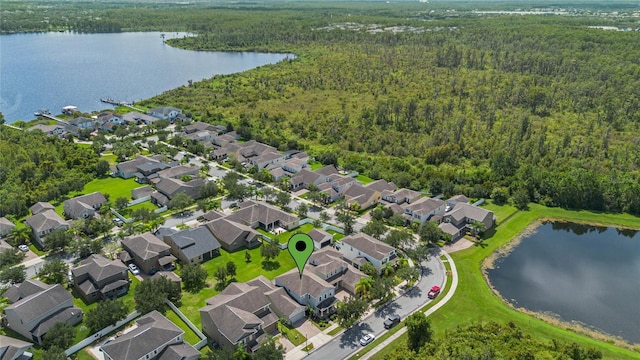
344	345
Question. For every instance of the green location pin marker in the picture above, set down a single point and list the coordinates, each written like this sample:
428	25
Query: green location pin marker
300	247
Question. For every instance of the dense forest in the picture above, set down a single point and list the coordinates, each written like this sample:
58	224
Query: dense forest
539	107
36	167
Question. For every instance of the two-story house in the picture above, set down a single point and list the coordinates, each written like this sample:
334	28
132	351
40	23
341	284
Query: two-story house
265	216
192	246
154	338
463	215
97	277
44	223
423	209
360	248
167	113
84	206
148	252
34	315
309	290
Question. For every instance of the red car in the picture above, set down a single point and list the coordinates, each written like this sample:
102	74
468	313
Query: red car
435	291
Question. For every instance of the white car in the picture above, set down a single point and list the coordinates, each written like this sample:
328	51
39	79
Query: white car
134	269
23	247
367	339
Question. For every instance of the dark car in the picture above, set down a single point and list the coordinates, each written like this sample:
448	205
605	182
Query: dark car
435	291
391	321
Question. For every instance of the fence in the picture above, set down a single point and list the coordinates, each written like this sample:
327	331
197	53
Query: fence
203	337
138	201
93	337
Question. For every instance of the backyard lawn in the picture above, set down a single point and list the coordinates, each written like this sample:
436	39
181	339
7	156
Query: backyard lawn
285	236
364	179
114	186
191	302
189	336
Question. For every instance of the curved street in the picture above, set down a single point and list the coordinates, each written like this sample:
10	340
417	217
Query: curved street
345	344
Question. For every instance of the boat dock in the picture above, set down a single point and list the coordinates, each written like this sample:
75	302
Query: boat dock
49	116
109	100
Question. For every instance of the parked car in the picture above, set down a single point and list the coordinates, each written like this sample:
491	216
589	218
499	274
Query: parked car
435	291
134	269
391	321
23	247
367	339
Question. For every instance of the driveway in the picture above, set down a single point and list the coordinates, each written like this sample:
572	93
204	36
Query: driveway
344	345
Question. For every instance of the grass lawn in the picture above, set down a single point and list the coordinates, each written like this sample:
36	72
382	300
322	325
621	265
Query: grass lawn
189	335
315	165
364	179
336	330
111	158
191	302
284	237
475	302
143	205
336	235
114	186
291	334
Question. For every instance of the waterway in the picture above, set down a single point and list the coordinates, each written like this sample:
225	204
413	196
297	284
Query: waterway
53	70
588	275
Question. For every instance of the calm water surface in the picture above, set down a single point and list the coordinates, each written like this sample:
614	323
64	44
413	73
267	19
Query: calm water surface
53	70
581	273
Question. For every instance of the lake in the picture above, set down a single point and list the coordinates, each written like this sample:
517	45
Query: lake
53	70
582	273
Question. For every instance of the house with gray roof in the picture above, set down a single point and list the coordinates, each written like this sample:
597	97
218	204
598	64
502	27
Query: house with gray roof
381	185
82	123
170	187
26	288
320	238
424	208
193	246
40	207
277	174
176	172
141	192
34	315
148	252
109	117
262	215
44	223
455	232
362	247
304	178
154	338
294	165
327	171
360	197
247	313
138	118
4	246
128	169
232	235
84	206
97	277
400	196
463	215
309	290
267	158
199	126
5	226
328	264
452	201
166	112
15	349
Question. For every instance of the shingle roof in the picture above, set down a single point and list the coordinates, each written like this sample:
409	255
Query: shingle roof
466	210
327	170
178	171
381	185
425	205
5	225
368	245
194	242
228	231
141	192
305	176
45	220
136	116
36	305
24	289
309	283
99	268
146	245
318	235
263	213
4	246
87	201
132	165
458	198
61	315
40	207
179	352
154	331
448	228
11	348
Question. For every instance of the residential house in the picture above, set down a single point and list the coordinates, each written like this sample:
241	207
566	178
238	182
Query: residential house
141	192
327	171
382	185
246	313
294	165
232	235
34	315
360	248
97	277
203	136
266	159
400	196
225	139
320	238
265	216
5	226
448	228
110	118
148	171
14	349
43	223
424	208
309	290
304	178
360	197
193	246
128	169
170	187
328	192
148	252
277	174
82	123
56	129
301	155
159	199
167	113
463	215
138	118
40	207
180	171
199	126
4	246
328	264
84	206
154	338
26	288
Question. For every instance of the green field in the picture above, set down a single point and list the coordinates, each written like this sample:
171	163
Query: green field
114	186
364	179
189	336
245	271
475	302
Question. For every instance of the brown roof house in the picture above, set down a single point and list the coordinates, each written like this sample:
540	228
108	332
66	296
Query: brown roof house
265	216
361	197
14	349
359	248
97	277
43	223
193	246
232	235
148	252
245	313
155	338
84	206
35	314
170	187
5	227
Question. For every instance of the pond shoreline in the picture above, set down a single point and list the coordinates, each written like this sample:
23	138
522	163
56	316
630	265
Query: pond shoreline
549	317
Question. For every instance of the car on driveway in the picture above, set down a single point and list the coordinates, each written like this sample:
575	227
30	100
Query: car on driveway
391	321
434	292
367	339
23	247
134	269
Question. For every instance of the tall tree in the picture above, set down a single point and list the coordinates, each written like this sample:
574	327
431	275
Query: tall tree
58	239
418	330
13	275
108	312
60	335
194	277
269	250
180	202
350	311
54	272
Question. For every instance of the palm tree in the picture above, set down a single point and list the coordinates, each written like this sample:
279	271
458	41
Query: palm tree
363	287
20	235
477	227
